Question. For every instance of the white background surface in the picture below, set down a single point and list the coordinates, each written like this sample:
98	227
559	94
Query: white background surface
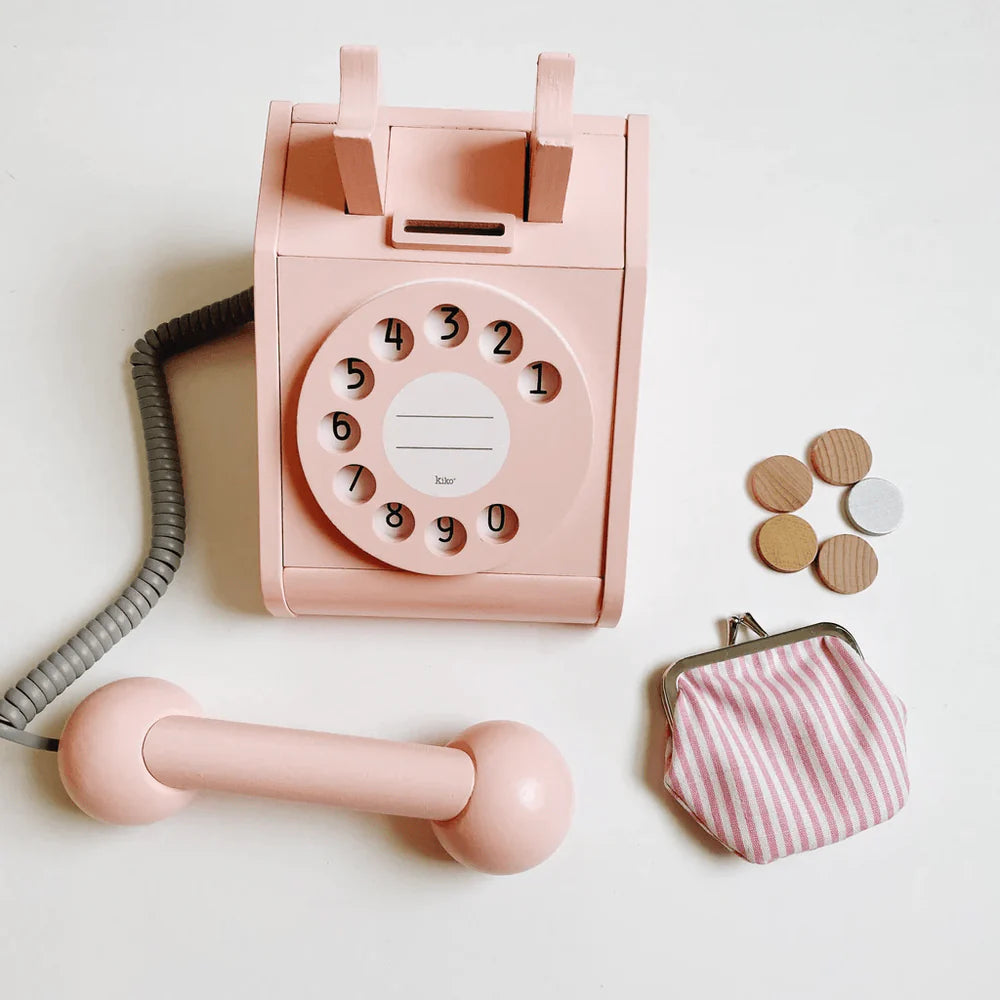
824	253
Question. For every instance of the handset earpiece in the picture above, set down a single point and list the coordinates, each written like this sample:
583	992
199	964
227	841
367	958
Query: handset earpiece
499	796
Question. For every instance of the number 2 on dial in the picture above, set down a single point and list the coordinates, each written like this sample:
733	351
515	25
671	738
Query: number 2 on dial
504	329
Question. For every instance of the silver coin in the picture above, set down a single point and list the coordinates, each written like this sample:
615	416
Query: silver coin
875	506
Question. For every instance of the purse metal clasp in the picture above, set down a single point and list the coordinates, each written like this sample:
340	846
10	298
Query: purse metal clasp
746	620
733	649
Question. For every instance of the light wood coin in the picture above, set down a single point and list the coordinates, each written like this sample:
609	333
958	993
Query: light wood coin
841	457
786	543
781	483
875	506
847	564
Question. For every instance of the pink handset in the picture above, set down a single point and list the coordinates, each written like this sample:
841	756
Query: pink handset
499	795
448	313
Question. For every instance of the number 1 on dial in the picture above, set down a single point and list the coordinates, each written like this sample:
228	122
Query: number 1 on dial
540	382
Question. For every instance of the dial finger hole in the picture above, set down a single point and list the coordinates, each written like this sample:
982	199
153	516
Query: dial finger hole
446	326
497	523
391	340
540	382
501	342
354	484
353	379
393	522
446	536
339	431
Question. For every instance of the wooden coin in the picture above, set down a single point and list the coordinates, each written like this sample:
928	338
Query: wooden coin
847	564
841	457
781	483
875	506
786	543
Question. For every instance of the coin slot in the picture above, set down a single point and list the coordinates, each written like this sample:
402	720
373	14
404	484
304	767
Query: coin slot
428	226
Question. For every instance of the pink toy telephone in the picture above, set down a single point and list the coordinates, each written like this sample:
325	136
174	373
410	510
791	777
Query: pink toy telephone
448	309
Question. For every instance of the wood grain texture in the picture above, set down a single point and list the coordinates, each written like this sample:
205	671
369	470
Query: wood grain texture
847	564
786	543
841	457
781	483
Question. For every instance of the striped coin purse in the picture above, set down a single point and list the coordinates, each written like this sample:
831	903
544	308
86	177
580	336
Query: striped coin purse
785	743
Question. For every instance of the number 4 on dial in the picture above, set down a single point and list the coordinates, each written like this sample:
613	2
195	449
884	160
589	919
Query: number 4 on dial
392	339
394	334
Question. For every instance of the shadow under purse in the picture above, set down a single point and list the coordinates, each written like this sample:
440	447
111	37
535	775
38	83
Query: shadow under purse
785	743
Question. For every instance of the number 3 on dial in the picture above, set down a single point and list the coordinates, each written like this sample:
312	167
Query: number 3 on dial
447	326
450	312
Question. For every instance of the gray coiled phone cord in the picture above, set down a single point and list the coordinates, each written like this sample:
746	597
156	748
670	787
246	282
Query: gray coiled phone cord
58	670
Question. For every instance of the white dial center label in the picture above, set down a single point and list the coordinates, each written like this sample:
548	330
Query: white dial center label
446	434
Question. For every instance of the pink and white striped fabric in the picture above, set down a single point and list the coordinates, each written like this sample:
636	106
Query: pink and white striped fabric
787	750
